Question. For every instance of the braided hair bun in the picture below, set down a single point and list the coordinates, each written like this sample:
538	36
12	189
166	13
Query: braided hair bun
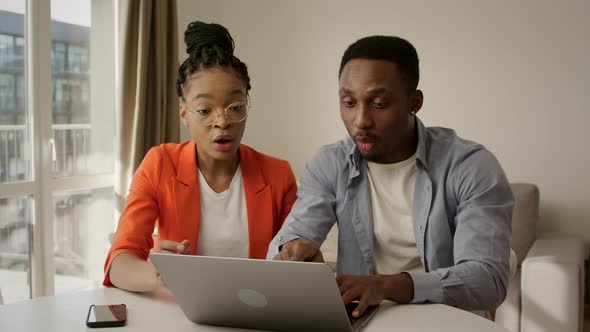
209	45
199	35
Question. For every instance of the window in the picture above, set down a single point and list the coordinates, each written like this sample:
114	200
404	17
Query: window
56	155
7	93
6	50
77	59
58	57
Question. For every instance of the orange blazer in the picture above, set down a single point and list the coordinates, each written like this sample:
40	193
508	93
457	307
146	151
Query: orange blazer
165	191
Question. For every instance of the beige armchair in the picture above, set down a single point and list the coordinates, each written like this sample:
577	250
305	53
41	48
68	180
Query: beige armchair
546	292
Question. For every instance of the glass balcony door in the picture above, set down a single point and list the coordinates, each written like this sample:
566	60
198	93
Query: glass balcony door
17	184
56	145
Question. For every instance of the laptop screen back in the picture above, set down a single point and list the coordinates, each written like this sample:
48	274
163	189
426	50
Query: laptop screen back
256	294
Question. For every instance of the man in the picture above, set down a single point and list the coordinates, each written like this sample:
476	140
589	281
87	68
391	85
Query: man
423	215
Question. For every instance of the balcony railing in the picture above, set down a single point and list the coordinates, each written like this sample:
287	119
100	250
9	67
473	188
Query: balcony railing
71	145
70	155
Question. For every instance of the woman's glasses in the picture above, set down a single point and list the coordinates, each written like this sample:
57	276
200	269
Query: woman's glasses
235	112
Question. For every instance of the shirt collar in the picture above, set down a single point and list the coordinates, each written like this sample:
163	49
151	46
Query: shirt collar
422	148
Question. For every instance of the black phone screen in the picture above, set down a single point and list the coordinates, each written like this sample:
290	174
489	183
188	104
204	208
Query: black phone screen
106	315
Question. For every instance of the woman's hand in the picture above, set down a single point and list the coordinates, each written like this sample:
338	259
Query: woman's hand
134	274
173	247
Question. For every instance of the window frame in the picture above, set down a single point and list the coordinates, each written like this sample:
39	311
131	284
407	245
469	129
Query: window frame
43	184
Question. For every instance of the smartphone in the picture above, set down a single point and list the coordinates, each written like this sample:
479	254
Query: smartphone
110	315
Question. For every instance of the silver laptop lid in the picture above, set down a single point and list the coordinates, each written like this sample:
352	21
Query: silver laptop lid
256	294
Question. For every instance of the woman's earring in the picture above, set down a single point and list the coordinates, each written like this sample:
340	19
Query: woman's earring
412	113
185	123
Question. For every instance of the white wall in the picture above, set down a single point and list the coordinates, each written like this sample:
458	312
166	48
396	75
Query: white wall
511	75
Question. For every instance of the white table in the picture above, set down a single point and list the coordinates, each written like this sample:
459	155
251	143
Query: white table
158	312
14	286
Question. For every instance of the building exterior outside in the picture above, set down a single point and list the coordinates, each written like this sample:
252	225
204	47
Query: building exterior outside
71	127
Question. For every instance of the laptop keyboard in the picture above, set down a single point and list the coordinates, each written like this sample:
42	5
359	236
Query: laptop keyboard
358	323
349	309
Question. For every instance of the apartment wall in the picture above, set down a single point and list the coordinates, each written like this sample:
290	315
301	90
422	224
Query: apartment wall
511	75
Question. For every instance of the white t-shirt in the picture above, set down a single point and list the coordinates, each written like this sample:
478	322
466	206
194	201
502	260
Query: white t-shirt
392	192
224	221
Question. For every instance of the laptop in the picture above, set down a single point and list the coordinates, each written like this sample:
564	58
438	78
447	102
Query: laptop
257	294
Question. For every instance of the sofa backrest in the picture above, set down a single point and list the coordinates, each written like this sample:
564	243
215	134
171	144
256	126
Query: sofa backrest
524	218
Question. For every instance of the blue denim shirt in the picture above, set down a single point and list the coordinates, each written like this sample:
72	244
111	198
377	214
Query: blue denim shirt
462	213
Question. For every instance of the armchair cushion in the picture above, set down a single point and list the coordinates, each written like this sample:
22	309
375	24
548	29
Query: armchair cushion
508	314
553	285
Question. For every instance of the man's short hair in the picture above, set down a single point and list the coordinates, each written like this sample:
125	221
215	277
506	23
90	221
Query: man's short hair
388	48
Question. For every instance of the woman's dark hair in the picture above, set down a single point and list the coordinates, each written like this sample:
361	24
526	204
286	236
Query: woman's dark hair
209	45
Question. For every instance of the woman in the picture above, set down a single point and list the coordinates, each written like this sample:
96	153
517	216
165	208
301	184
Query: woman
210	195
